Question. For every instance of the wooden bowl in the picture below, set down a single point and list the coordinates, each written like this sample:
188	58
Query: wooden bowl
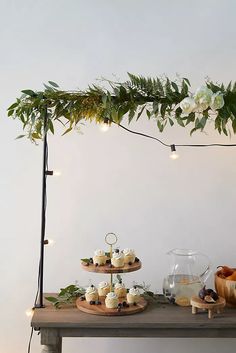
226	289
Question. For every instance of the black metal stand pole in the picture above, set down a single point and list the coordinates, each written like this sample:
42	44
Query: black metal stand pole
43	213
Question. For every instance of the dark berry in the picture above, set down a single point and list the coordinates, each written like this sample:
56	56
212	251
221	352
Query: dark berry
108	261
82	298
135	287
136	259
91	260
124	304
130	263
92	302
119	305
134	303
117	250
96	264
120	281
92	286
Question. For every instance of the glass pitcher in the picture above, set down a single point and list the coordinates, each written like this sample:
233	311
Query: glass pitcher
190	269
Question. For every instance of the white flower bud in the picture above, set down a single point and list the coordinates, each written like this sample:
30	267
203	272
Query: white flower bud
203	97
188	105
217	101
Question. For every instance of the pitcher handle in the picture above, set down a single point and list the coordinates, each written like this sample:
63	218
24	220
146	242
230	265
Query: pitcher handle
206	273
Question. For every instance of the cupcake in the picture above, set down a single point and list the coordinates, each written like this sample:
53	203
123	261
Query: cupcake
120	290
99	257
129	256
111	300
118	259
91	294
133	296
103	289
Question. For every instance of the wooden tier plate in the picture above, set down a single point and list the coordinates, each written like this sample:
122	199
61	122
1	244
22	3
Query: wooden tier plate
102	310
106	269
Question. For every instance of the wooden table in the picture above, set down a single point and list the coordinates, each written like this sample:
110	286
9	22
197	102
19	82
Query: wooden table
164	320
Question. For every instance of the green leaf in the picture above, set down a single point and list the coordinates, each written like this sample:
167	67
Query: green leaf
171	122
180	121
14	105
155	107
85	260
50	125
163	110
19	137
174	85
68	130
140	112
54	84
10	112
52	299
160	126
148	113
29	92
187	81
234	125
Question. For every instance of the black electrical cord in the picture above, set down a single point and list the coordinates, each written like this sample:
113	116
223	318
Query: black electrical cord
40	259
177	145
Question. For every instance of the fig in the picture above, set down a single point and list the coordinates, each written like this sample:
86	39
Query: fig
202	293
209	299
214	295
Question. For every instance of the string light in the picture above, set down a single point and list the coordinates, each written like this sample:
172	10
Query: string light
104	126
49	242
53	172
29	312
173	154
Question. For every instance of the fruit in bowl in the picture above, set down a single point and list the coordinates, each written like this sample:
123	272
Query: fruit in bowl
225	284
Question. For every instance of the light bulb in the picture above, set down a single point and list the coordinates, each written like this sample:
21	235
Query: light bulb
29	312
56	172
104	127
49	242
173	154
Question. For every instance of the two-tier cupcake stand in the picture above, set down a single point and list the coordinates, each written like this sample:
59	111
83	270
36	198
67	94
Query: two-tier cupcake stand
101	309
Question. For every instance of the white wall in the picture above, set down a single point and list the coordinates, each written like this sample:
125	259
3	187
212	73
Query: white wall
115	181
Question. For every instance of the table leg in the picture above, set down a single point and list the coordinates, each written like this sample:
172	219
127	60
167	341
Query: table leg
51	348
51	341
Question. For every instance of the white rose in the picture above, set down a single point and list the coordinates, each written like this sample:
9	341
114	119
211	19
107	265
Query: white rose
188	105
217	101
203	97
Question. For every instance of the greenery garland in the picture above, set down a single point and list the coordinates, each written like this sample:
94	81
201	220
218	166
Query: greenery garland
167	102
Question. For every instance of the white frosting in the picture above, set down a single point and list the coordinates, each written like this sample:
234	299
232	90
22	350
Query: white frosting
103	284
134	291
118	255
99	252
128	251
91	290
111	295
119	285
